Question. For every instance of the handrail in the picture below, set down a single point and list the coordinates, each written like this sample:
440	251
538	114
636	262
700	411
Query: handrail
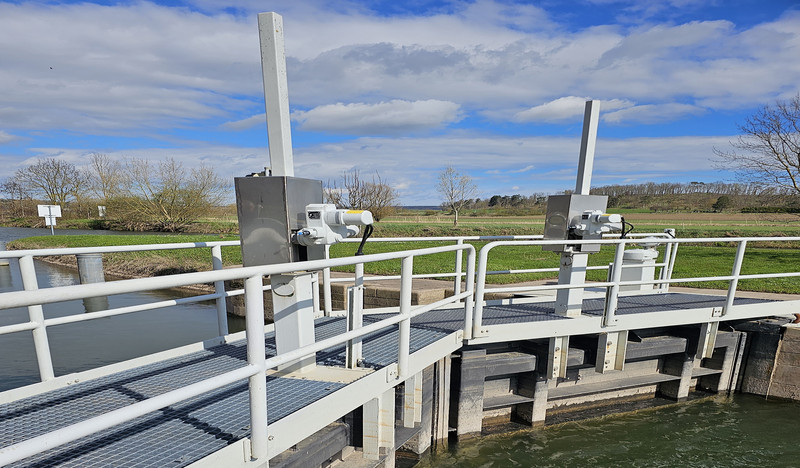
615	282
255	371
113	249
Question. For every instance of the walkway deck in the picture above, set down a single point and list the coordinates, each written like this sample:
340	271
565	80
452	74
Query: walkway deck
184	433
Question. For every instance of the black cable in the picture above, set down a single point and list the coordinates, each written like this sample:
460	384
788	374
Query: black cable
367	232
624	232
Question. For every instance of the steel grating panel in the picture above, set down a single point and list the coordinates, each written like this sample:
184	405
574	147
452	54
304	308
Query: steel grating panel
379	348
663	302
188	431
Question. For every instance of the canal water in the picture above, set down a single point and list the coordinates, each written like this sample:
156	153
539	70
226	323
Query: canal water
742	431
85	345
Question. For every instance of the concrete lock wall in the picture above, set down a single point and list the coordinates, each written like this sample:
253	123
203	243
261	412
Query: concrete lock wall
785	381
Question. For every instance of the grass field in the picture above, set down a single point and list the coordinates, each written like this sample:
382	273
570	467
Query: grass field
693	260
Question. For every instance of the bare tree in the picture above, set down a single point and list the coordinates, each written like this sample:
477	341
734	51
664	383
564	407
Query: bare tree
106	177
167	194
376	195
54	180
16	191
456	189
768	151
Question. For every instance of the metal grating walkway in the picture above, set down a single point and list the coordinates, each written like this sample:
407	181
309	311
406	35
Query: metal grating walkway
186	432
453	319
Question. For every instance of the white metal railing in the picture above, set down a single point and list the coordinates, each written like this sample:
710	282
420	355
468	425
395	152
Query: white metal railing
257	363
458	274
614	283
37	324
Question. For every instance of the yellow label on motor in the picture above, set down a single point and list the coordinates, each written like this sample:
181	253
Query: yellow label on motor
355	211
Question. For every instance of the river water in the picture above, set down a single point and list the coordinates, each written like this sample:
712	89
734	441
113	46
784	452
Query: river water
743	431
84	345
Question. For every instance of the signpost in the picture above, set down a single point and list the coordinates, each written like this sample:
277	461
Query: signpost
50	213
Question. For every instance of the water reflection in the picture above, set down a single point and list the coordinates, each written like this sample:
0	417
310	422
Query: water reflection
95	304
5	276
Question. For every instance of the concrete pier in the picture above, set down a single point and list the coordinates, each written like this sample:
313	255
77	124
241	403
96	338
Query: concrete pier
90	270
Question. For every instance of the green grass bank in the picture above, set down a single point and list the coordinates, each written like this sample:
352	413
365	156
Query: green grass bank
693	260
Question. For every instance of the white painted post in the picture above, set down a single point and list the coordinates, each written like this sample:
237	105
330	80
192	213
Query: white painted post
591	116
355	317
293	310
737	269
609	318
326	281
469	302
406	271
219	288
378	427
573	270
459	260
276	93
573	265
256	356
36	314
412	400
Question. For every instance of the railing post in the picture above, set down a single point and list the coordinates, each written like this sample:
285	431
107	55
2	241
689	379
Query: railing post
469	302
479	288
737	268
671	265
404	327
666	270
36	315
355	314
256	356
459	260
609	318
326	281
219	288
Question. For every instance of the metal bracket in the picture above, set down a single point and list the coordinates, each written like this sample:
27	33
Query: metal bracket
391	373
716	312
708	339
611	349
557	357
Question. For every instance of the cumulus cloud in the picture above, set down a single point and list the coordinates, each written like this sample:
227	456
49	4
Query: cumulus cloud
566	108
142	66
384	117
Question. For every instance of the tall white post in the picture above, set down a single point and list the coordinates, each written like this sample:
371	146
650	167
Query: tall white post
276	93
573	265
591	115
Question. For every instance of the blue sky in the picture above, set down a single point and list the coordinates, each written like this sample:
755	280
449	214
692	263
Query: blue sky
493	88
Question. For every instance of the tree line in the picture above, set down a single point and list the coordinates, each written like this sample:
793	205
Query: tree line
161	195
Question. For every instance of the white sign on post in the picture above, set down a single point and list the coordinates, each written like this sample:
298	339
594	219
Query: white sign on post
50	213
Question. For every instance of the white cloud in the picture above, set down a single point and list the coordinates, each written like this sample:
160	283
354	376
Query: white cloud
653	113
384	117
142	66
6	137
244	124
566	108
